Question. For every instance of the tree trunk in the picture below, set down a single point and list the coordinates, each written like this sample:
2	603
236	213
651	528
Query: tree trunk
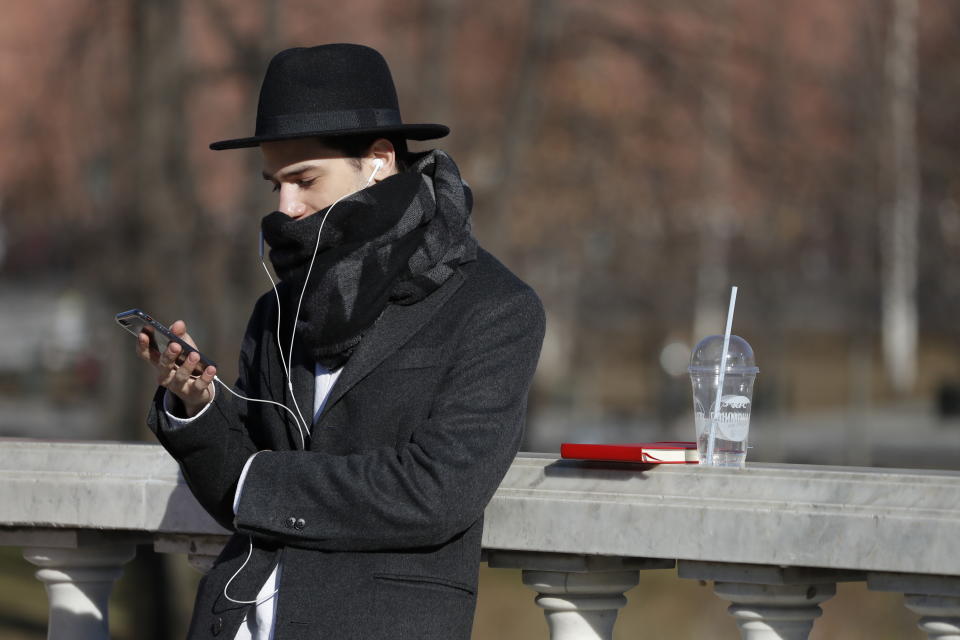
520	129
900	254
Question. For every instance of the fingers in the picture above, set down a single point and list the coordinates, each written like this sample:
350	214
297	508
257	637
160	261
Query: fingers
170	356
143	347
169	365
201	382
183	374
179	329
166	374
178	368
192	388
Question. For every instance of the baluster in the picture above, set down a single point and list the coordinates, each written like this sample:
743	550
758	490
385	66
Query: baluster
935	598
78	583
770	602
581	596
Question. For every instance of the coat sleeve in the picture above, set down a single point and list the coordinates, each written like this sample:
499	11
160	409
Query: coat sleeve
213	448
429	489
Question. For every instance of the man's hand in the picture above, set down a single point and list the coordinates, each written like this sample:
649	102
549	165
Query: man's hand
175	373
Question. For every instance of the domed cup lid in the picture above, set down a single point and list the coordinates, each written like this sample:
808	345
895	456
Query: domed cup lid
706	356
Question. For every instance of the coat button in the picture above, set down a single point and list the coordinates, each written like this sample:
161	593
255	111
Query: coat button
299	524
217	626
291	522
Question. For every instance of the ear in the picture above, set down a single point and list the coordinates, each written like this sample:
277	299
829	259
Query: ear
382	150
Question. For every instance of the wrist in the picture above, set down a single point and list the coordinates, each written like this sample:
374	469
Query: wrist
191	409
182	408
182	413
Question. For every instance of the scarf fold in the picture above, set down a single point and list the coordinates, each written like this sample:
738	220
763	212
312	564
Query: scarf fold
392	243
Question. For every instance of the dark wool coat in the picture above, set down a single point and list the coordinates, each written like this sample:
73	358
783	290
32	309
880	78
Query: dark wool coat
378	523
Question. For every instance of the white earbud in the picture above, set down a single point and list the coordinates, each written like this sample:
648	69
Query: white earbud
377	164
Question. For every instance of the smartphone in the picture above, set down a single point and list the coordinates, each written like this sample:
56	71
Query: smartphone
137	322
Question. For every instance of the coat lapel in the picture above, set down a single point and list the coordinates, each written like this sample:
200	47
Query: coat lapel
273	381
301	375
304	387
397	325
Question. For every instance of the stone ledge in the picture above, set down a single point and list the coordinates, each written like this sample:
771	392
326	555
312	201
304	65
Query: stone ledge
857	519
842	518
96	485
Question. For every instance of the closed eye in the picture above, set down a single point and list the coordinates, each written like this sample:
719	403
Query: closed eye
303	184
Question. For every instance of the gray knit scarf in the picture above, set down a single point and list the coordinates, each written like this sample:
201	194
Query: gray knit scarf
392	243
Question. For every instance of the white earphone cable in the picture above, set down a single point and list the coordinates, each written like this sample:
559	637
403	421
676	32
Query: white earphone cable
283	361
287	364
256	602
306	281
283	406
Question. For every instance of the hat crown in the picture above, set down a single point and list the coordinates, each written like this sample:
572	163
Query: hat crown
331	77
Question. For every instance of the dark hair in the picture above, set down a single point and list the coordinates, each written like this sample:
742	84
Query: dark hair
355	147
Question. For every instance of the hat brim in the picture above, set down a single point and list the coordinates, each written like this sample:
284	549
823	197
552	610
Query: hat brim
408	131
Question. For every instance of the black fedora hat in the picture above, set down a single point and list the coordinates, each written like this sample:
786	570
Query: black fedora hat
329	90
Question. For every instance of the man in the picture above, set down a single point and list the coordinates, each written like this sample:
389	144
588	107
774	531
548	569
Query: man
413	347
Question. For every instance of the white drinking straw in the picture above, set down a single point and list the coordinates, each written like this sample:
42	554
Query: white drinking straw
723	370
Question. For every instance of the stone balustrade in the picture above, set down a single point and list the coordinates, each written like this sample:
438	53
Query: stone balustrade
774	539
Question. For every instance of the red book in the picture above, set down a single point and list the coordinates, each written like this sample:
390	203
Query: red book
648	452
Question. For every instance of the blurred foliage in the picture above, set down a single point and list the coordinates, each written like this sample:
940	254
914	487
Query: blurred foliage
630	160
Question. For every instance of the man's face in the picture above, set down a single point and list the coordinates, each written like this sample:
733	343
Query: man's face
308	175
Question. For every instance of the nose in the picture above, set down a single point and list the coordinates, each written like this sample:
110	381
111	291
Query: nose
290	203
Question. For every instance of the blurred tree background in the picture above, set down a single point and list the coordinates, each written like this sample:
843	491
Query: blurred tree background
631	159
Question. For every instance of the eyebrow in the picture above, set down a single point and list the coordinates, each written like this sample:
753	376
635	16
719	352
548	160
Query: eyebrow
296	169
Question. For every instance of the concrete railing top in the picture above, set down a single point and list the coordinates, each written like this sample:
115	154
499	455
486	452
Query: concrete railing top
864	519
861	519
96	485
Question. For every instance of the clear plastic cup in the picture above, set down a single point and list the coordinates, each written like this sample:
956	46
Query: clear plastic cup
732	425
